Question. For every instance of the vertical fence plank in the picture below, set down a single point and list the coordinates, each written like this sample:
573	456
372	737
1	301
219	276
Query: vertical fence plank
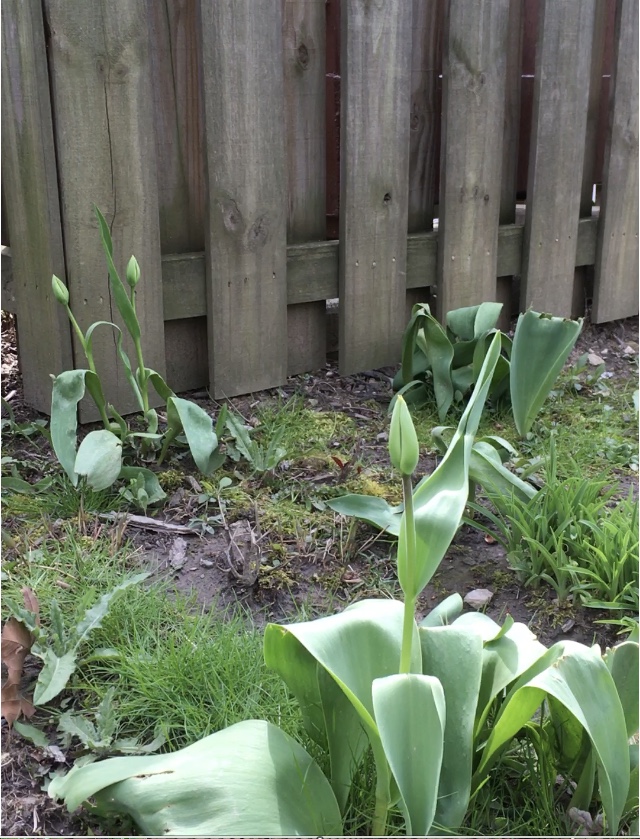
101	83
177	97
616	268
304	90
474	61
424	150
561	91
30	182
246	230
375	64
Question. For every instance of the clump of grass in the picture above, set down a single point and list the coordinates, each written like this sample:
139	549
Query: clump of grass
185	674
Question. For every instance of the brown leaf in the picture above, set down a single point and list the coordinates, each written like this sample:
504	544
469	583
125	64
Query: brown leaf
15	643
13	705
31	602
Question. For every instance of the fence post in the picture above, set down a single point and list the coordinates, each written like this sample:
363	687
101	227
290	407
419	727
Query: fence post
375	66
31	185
246	234
560	97
616	267
101	84
473	102
304	90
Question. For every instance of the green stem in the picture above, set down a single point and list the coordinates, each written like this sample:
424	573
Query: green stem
142	376
100	404
379	824
410	601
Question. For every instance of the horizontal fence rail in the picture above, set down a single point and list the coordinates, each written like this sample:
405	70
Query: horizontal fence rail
452	147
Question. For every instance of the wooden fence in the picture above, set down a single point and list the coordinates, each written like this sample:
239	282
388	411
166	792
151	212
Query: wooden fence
206	131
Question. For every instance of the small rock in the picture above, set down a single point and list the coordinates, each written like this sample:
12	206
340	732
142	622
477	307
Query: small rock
567	626
630	350
312	402
207	563
382	437
478	598
178	554
594	360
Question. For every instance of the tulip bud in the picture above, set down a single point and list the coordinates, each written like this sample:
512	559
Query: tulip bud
133	272
404	450
60	291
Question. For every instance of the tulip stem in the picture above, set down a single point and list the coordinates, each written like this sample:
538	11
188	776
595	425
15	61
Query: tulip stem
410	600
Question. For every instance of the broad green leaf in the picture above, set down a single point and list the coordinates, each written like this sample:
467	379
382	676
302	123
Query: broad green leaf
439	353
240	434
354	647
152	486
444	613
161	387
622	662
250	779
487	470
410	713
99	459
93	616
54	676
118	288
541	345
198	429
16	484
68	390
454	657
375	511
578	678
470	322
505	655
440	499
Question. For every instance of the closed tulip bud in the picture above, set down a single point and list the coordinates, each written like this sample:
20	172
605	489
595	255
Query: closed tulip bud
133	272
60	291
404	450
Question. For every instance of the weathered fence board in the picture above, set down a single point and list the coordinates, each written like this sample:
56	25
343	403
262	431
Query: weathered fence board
246	230
304	91
561	92
474	62
616	264
106	156
29	179
177	97
375	64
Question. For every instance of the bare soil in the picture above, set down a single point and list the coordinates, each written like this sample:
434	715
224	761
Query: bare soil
312	566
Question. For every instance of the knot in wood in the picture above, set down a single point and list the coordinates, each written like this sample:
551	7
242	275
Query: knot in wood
231	215
303	56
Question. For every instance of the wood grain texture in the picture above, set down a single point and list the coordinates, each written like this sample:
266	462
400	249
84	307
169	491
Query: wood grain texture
474	70
8	288
101	83
374	157
304	106
616	265
174	46
561	91
31	189
247	225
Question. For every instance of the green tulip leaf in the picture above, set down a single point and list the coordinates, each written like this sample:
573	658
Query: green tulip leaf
148	479
577	677
541	345
375	511
99	459
410	713
120	294
454	657
198	429
250	779
471	322
68	390
622	662
444	613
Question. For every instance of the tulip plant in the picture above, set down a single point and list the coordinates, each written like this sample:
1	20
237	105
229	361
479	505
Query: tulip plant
99	458
436	702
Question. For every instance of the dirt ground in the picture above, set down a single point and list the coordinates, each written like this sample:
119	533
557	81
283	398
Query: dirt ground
358	564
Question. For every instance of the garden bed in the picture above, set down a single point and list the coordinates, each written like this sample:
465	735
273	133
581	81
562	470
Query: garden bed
298	555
